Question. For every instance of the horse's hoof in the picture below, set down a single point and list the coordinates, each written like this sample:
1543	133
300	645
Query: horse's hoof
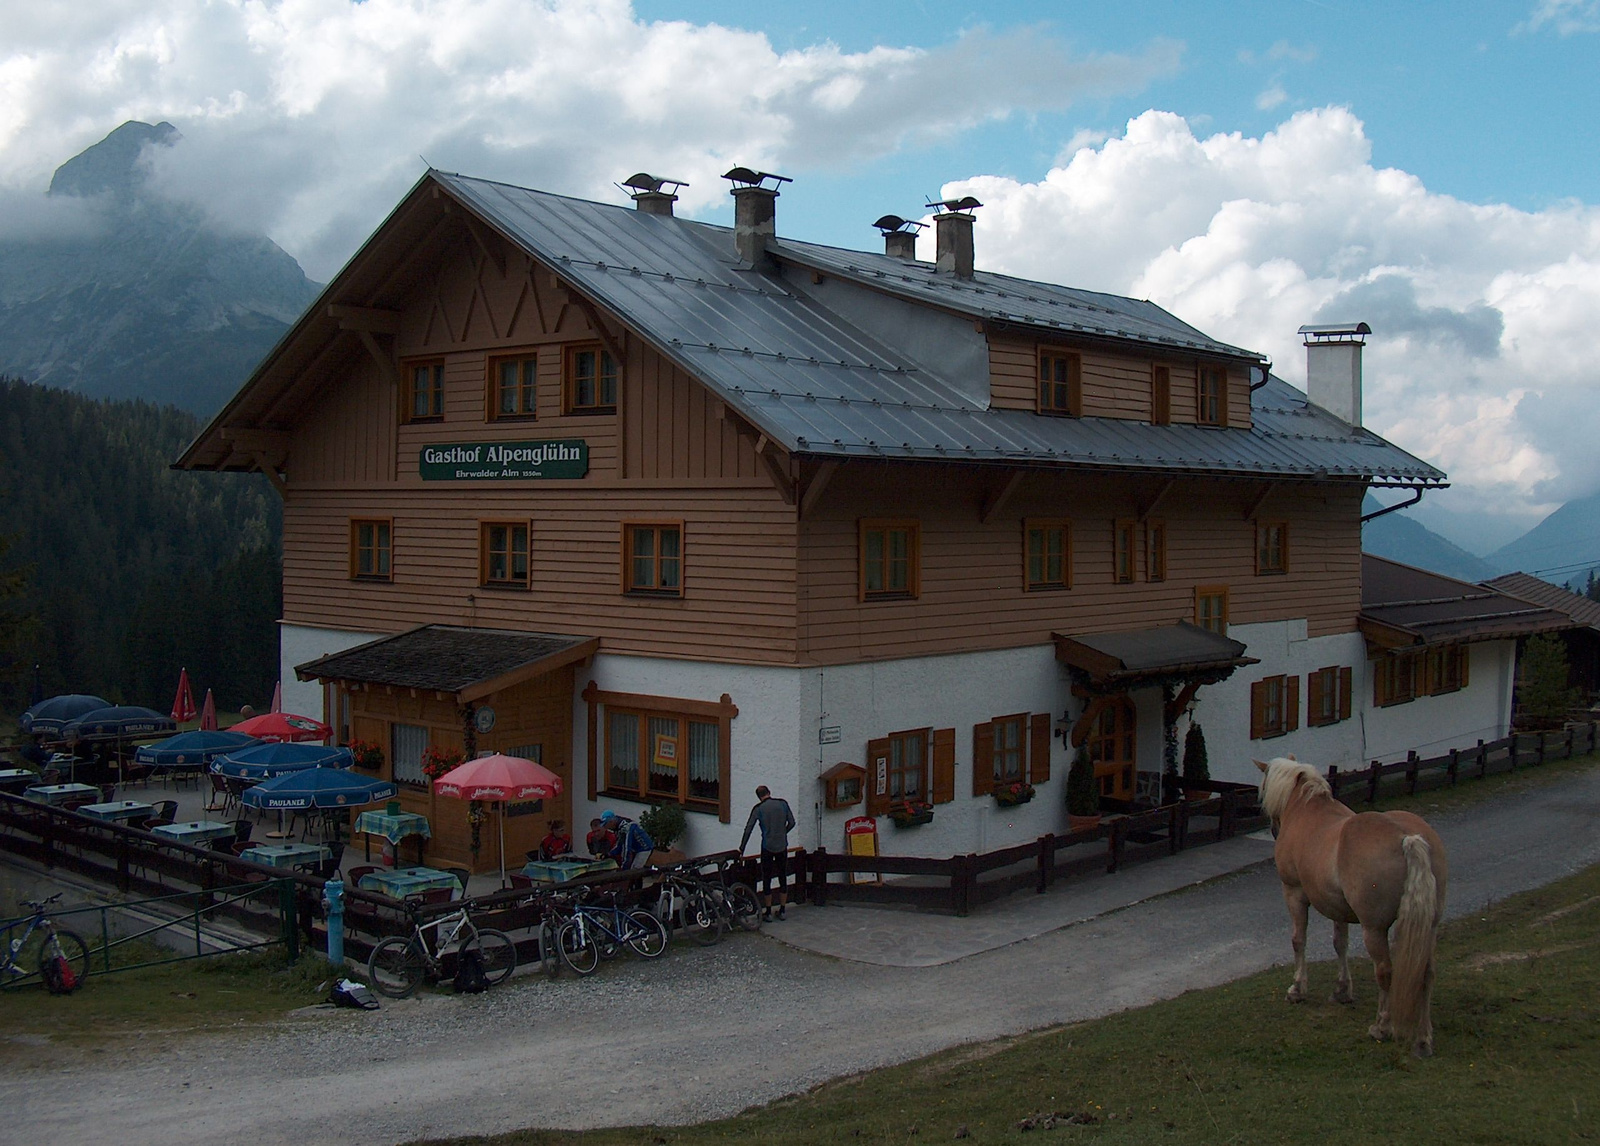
1379	1033
1422	1050
1296	995
1344	997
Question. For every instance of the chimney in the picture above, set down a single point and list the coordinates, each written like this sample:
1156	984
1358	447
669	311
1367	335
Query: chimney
899	237
1333	367
754	212
952	224
652	195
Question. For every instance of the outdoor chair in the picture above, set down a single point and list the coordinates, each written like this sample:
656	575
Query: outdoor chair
167	810
435	895
241	831
328	867
221	799
238	847
156	821
520	882
355	874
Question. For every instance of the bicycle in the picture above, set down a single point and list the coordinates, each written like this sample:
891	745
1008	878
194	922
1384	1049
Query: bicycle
595	932
400	964
60	957
555	910
738	902
688	902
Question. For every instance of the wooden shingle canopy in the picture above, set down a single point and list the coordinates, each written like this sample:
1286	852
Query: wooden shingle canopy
466	664
1406	607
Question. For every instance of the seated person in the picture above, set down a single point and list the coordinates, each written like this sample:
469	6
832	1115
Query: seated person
600	840
557	841
35	754
632	840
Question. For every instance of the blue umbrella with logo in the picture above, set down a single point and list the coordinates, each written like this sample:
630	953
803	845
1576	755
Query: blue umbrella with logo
264	761
318	788
118	722
49	717
188	748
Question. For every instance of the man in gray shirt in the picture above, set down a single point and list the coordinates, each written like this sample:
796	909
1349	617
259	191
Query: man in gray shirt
776	821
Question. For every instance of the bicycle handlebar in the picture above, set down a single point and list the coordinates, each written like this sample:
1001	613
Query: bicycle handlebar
41	904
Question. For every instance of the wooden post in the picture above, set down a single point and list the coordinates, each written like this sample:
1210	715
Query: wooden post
1177	821
1454	766
1114	845
962	881
123	876
819	877
1225	820
1333	780
1542	738
47	839
1483	761
1569	741
1374	774
1047	861
1411	772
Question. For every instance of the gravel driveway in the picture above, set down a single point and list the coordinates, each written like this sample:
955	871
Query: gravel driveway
708	1032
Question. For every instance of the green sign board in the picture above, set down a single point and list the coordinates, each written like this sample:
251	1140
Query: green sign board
490	461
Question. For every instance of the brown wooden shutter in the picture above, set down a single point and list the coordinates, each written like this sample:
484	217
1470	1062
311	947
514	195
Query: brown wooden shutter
877	799
1075	385
944	765
1380	670
1039	749
1345	676
1466	651
982	759
1291	703
1314	690
1258	706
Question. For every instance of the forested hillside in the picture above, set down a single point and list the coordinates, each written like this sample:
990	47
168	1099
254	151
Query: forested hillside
132	570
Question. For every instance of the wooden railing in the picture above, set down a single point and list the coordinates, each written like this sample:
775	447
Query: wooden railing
1487	758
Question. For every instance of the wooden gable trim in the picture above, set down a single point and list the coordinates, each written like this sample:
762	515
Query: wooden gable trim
1166	488
481	237
815	487
1260	500
577	653
372	319
995	502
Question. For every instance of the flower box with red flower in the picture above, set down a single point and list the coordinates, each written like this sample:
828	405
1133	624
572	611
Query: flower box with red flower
910	813
1012	793
366	755
437	761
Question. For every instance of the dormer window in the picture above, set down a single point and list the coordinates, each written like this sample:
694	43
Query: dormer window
1060	383
591	380
1211	396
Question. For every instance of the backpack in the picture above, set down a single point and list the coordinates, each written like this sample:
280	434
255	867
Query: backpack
347	993
59	977
470	979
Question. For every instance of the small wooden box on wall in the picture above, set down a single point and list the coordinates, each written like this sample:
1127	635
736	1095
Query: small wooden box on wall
845	784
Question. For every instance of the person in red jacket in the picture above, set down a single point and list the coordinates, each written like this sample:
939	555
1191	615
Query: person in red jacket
557	841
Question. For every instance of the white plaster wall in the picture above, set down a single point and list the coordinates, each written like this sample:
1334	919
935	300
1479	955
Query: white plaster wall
870	700
298	644
1432	725
764	737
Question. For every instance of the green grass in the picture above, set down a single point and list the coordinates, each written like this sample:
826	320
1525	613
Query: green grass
113	1011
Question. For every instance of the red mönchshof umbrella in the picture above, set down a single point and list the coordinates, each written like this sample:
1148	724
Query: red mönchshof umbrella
282	726
183	704
499	778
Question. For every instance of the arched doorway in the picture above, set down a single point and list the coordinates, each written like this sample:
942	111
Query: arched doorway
1111	744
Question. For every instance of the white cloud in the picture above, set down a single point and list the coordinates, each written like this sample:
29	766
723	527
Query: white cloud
1482	314
306	118
1271	97
1567	17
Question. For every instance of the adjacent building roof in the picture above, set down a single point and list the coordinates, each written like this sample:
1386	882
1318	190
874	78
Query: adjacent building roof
469	663
1403	606
810	373
1584	612
1121	659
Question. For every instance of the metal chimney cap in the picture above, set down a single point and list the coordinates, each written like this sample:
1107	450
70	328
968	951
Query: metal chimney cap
965	203
889	224
745	177
1335	331
646	183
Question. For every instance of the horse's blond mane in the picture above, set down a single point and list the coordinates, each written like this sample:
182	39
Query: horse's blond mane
1279	784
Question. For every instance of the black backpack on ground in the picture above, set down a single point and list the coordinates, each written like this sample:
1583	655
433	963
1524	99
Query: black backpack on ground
347	993
470	979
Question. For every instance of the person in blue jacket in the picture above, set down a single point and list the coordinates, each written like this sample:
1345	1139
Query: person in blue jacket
632	840
776	821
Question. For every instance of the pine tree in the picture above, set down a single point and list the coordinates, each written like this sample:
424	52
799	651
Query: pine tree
1544	696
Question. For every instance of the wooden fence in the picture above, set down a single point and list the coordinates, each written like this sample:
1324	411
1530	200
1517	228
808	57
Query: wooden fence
1488	758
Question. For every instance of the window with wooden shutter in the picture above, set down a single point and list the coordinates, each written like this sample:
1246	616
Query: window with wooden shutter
1039	748
983	758
1060	384
878	777
1258	707
1274	706
1291	703
1345	679
944	765
1122	545
1327	696
1160	395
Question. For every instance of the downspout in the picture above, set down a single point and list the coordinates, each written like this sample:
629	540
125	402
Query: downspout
1391	508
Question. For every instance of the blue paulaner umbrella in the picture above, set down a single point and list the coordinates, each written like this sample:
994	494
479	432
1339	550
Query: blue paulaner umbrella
197	747
264	761
318	788
48	717
118	722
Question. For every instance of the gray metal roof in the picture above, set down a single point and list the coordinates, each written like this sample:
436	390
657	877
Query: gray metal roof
444	658
1430	608
817	383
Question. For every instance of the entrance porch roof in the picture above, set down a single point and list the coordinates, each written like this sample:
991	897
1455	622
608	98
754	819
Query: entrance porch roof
1176	653
468	664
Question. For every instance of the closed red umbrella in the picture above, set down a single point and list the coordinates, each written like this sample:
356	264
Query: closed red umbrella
283	727
208	713
499	778
183	704
277	697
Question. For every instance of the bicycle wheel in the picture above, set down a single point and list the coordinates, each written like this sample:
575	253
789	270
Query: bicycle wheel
498	953
702	917
577	951
69	946
646	935
395	968
549	953
745	906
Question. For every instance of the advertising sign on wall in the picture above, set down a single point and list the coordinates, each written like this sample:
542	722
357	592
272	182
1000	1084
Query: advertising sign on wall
498	461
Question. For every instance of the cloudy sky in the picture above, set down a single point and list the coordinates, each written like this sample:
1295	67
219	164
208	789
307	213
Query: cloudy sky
1427	168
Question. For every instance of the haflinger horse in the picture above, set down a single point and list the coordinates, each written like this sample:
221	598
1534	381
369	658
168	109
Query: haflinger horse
1378	869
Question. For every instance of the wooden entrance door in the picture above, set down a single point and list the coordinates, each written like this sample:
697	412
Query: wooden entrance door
1111	748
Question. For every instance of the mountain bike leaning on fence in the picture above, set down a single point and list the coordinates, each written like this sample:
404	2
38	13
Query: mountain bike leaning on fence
706	906
36	946
738	902
597	931
400	964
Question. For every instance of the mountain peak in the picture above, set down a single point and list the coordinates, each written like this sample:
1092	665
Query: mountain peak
113	163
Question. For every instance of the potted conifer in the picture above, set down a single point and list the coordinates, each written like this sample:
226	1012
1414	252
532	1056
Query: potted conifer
1196	766
1083	794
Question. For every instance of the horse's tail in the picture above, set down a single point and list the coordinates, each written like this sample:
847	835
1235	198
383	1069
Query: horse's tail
1416	930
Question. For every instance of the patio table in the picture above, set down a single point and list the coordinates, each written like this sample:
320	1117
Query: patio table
406	881
60	793
286	855
119	810
15	779
559	871
393	828
195	831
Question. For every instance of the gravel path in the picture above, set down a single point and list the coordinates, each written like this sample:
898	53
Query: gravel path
708	1032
